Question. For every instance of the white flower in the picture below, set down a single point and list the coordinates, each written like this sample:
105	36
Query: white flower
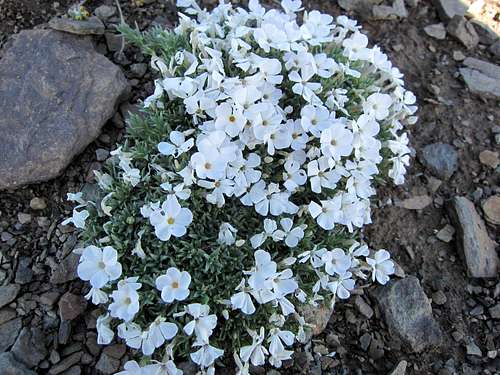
78	218
328	213
174	285
342	285
255	353
97	295
277	341
382	266
270	228
170	219
131	368
125	299
291	236
321	176
227	234
202	324
206	355
315	119
293	175
378	105
230	120
159	368
99	266
178	146
336	261
159	332
336	141
104	333
242	300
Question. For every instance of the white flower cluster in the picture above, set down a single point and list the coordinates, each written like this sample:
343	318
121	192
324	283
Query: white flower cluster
290	121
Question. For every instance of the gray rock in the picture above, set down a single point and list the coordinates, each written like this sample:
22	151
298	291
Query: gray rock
418	202
71	306
477	249
9	366
105	11
66	363
495	49
67	93
489	69
495	311
480	83
437	31
8	293
138	70
66	270
29	347
473	349
463	31
38	204
113	41
440	159
363	307
486	35
90	26
8	333
447	9
400	369
491	209
361	7
107	364
24	273
385	12
408	314
446	233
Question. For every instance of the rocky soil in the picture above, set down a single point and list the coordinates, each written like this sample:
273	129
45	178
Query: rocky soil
440	314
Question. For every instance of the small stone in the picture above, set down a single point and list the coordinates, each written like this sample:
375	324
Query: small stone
66	270
138	70
114	41
24	273
49	298
376	350
491	209
464	31
8	333
482	78
7	314
437	31
318	317
23	218
321	349
365	340
495	49
408	314
415	203
104	12
458	56
489	158
447	9
440	159
71	306
107	364
477	248
38	204
486	35
66	363
400	369
492	354
439	298
385	12
101	154
446	233
495	311
116	351
29	347
90	26
473	349
363	307
75	370
9	366
64	332
8	293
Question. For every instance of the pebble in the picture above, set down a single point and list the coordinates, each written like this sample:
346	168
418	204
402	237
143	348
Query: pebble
491	209
464	31
365	340
38	204
8	293
440	159
71	306
101	154
446	233
458	56
495	311
437	31
107	364
90	26
489	158
473	349
29	347
104	12
481	77
476	246
23	218
66	270
439	298
318	317
415	203
447	9
66	363
138	70
363	307
400	369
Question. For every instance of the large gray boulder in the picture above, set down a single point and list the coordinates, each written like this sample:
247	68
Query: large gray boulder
56	92
9	366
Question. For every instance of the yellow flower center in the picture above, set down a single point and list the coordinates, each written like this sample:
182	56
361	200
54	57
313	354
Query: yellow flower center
127	301
232	118
175	285
170	220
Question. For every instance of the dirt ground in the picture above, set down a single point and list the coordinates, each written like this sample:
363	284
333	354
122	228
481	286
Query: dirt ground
448	113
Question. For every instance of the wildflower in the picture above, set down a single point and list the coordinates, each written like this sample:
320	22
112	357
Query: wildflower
227	234
170	219
342	285
255	353
99	266
202	324
336	261
328	213
125	299
78	218
104	333
178	145
174	285
382	266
